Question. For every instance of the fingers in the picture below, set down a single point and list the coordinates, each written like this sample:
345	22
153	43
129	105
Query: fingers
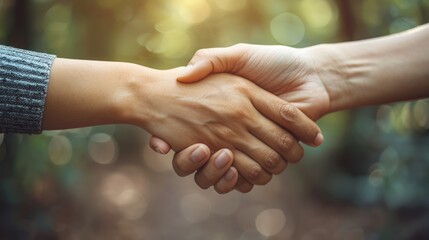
285	145
213	60
250	170
288	117
215	168
159	145
190	159
216	171
227	182
243	185
268	158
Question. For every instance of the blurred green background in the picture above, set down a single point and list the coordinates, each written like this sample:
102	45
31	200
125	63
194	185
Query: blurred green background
370	179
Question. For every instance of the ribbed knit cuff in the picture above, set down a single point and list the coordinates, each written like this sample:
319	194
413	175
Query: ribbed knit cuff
24	77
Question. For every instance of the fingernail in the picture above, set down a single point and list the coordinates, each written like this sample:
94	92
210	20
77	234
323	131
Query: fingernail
222	160
186	70
318	140
198	155
157	150
229	175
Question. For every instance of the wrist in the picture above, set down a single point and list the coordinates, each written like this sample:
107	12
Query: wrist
344	74
132	101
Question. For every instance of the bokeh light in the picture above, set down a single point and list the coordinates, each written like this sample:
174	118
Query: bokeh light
287	29
383	118
317	13
195	207
225	205
57	26
60	150
376	177
421	115
176	44
103	148
126	191
270	222
406	117
229	5
193	11
389	160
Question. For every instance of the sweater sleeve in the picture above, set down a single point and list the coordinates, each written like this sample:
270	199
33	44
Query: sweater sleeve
24	77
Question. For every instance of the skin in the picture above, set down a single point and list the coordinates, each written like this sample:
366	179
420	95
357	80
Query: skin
324	78
224	111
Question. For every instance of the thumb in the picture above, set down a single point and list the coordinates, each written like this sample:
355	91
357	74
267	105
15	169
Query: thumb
196	72
212	60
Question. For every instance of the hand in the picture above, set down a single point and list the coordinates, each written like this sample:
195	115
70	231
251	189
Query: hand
290	73
220	112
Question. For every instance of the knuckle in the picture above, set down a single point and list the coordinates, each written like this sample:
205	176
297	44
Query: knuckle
238	113
201	53
224	132
287	142
254	173
240	85
288	112
241	53
272	160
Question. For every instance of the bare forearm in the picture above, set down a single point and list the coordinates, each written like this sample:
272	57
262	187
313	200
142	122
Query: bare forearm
86	93
377	71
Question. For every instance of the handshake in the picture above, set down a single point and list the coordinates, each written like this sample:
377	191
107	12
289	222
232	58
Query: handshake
237	115
245	109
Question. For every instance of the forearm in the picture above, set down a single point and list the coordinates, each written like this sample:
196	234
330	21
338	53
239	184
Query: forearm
376	71
87	93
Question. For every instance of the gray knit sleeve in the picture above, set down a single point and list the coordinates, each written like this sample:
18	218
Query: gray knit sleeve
24	79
